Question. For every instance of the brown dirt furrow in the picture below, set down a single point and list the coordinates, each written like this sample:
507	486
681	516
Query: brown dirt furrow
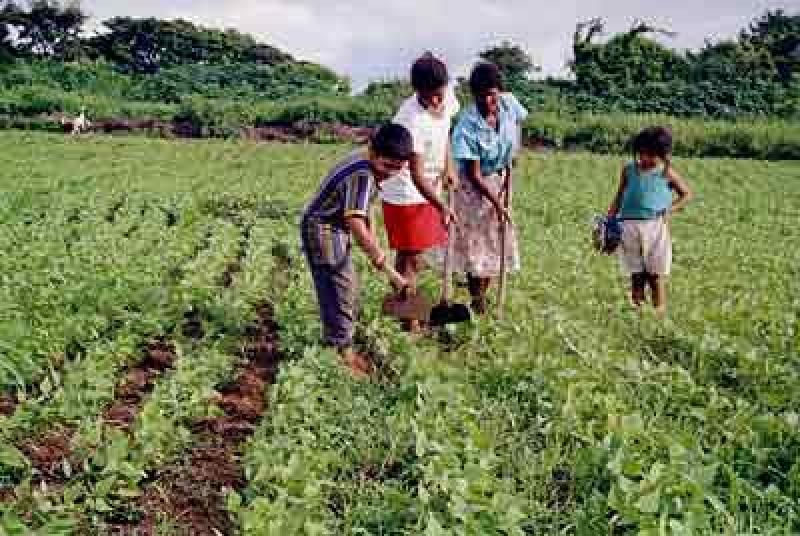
138	382
191	492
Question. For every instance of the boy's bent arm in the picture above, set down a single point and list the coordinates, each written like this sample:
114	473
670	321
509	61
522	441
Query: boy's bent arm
366	240
685	193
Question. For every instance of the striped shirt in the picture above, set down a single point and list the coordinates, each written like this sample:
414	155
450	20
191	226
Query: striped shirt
347	191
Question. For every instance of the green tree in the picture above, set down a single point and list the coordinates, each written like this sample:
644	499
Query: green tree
148	45
8	18
627	59
50	29
514	62
779	34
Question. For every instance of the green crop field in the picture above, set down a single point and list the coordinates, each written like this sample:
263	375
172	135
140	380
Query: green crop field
160	371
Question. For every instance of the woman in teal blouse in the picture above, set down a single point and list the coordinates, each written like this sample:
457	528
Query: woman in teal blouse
483	146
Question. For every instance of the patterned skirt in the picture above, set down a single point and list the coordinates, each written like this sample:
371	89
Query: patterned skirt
477	248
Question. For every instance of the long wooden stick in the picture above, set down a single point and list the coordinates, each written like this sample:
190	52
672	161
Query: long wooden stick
501	298
447	283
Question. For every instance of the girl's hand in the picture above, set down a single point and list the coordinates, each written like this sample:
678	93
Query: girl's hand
398	281
379	262
449	217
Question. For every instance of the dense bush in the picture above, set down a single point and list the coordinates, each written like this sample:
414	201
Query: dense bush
174	84
769	139
606	133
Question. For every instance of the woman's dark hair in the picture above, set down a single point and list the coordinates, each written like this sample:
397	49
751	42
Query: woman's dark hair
485	77
429	73
654	140
392	141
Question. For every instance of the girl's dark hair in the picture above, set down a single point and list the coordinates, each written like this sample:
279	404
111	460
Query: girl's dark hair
655	140
429	73
485	76
392	141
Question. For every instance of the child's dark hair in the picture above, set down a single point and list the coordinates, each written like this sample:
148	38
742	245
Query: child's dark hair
485	77
429	73
392	141
654	140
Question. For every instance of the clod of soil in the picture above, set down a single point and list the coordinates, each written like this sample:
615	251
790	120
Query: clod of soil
230	273
8	405
160	356
48	453
122	415
193	325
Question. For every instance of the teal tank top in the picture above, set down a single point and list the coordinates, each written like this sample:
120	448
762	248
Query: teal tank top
647	196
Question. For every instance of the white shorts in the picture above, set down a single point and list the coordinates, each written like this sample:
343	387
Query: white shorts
646	247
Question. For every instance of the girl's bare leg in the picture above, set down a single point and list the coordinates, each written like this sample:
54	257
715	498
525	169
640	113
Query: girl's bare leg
659	289
638	288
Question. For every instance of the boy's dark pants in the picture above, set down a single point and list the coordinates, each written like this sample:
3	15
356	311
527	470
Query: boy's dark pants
336	294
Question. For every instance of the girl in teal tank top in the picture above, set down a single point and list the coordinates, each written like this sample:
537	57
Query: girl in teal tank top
644	202
647	194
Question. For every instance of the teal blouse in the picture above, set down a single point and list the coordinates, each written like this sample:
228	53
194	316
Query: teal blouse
474	139
647	196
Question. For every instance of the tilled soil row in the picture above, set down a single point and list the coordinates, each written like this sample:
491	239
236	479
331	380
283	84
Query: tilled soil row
51	455
190	493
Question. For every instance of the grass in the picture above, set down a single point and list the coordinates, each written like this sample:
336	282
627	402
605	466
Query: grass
573	416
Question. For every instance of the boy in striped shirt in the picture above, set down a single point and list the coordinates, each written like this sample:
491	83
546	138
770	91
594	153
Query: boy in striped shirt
338	211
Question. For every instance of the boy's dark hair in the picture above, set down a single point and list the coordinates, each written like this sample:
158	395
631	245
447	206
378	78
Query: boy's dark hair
392	141
485	76
655	140
429	73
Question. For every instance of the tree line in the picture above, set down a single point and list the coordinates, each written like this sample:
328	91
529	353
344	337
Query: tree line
47	29
754	73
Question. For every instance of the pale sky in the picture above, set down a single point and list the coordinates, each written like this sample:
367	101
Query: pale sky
373	39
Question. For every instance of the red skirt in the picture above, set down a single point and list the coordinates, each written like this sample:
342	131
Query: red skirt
414	227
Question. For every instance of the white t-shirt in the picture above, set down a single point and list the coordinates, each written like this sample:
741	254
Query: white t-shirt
431	136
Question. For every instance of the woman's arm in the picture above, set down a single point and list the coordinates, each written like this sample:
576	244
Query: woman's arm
681	187
476	177
613	210
450	173
417	167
